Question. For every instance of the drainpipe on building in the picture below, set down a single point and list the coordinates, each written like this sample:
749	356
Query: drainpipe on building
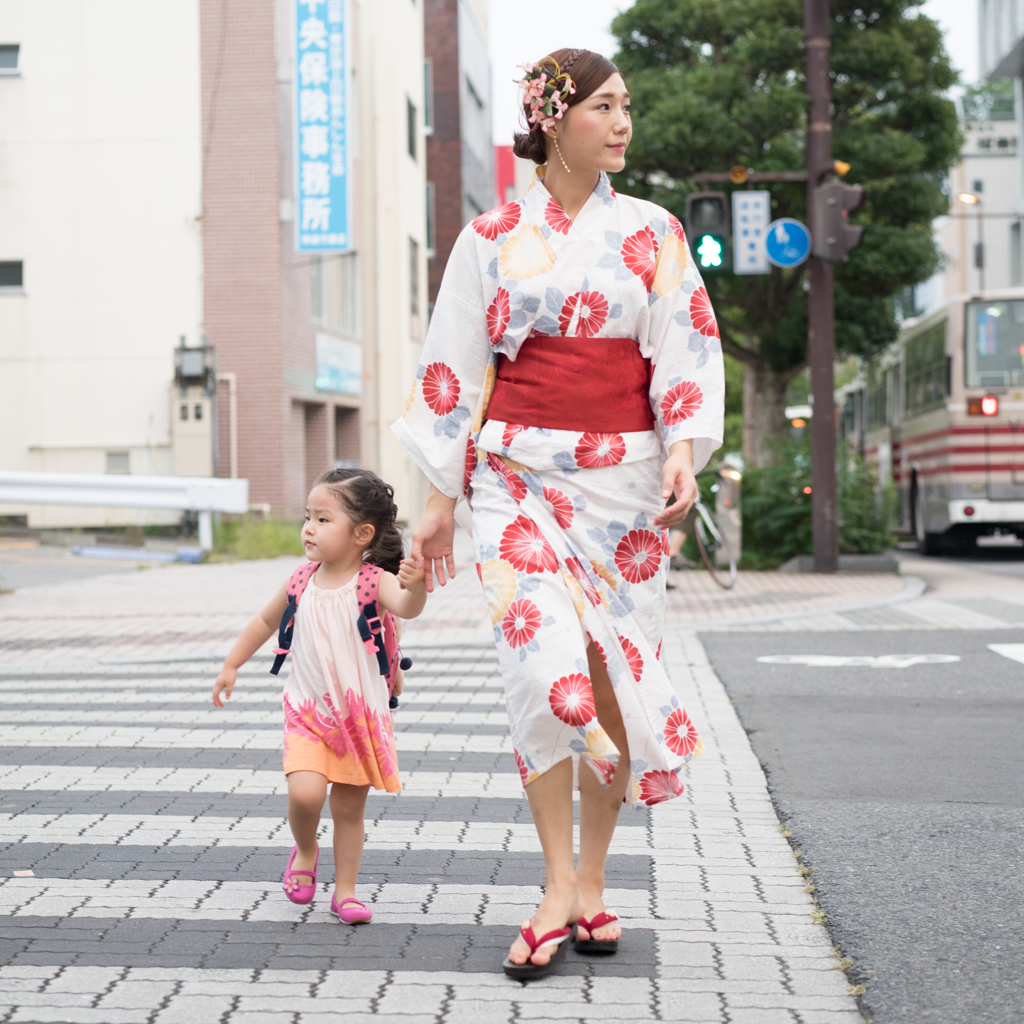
232	382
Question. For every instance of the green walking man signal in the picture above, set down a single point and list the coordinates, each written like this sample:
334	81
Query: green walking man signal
707	230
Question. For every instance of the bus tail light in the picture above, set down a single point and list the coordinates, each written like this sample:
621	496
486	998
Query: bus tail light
968	510
987	406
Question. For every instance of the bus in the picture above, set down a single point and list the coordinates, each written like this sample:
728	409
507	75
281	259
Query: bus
940	416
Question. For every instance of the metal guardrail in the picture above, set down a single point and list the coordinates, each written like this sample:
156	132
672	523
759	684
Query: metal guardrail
204	495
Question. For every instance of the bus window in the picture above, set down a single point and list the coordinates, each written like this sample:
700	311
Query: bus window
926	376
994	344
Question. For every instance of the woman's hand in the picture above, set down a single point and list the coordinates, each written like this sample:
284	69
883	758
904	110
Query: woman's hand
225	684
677	479
433	541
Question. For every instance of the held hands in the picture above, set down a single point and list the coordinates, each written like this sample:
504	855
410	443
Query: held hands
410	575
678	480
224	685
433	542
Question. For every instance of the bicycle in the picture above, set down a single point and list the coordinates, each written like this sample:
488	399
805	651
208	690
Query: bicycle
710	539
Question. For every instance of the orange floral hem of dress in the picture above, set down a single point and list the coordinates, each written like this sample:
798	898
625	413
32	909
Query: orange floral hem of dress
358	750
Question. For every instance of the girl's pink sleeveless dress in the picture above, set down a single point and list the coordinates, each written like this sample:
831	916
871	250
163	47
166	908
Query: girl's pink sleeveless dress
336	717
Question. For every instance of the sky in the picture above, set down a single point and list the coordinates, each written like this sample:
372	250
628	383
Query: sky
515	39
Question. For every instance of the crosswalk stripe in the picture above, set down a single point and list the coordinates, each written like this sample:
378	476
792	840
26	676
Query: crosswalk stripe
392	903
216	717
157	830
237	781
122	698
1015	652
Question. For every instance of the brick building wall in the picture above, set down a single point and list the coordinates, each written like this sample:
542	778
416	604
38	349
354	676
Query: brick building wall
241	230
444	146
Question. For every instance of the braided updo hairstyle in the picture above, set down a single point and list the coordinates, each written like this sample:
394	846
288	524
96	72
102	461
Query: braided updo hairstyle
365	498
588	71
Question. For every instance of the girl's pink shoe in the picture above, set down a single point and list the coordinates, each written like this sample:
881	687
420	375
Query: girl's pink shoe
350	910
293	888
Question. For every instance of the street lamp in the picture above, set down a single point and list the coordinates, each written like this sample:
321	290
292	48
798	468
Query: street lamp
972	199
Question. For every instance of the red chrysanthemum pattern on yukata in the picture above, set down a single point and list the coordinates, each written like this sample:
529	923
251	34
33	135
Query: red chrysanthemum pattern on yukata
638	555
524	547
499	221
556	218
676	228
593	307
664	542
470	463
572	699
595	450
441	389
498	313
656	787
510	432
606	769
524	772
702	316
639	253
680	734
574	566
561	506
513	481
521	622
636	662
681	402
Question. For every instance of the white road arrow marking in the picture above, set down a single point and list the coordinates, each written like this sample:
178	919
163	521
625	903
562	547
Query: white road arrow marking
865	661
1015	652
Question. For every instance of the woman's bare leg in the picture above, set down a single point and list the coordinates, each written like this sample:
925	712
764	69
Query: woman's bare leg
347	806
550	799
600	805
306	793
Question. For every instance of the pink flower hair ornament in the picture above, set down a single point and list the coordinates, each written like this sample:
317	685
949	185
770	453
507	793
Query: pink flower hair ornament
545	93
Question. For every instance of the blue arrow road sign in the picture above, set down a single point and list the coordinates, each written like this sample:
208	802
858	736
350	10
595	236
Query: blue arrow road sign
787	242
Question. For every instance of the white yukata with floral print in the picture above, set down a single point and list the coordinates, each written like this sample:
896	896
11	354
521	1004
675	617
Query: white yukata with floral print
563	521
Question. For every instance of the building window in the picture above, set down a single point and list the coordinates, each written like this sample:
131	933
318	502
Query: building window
414	277
118	463
477	133
11	276
431	220
316	288
428	97
411	126
9	56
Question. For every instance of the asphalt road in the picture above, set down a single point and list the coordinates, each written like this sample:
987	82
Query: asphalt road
905	789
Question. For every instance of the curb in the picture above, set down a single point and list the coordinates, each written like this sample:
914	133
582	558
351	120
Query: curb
913	586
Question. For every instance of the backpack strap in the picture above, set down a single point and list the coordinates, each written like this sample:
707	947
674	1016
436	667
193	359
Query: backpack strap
371	628
296	588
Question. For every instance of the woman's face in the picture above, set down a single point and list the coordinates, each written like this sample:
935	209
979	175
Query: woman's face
595	132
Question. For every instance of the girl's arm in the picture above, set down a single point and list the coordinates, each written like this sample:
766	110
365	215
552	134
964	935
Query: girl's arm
403	595
254	636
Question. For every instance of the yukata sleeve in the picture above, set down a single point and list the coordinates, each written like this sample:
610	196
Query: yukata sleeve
687	381
436	427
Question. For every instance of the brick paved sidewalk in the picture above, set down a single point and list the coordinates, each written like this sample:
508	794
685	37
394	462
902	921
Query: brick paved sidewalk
154	828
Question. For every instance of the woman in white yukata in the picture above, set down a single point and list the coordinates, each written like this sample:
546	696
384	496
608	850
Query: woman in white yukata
571	386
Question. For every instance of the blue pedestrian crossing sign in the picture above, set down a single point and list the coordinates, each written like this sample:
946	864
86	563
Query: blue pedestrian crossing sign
787	242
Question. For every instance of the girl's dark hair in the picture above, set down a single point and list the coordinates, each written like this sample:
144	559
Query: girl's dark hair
588	71
365	498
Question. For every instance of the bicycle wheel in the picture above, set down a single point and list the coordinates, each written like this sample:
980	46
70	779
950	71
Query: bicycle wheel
710	541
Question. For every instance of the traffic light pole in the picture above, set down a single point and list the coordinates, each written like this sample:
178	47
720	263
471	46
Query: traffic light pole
821	304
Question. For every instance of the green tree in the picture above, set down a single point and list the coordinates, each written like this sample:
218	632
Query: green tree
721	82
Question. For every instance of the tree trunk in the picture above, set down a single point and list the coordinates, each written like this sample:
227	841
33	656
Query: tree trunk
764	413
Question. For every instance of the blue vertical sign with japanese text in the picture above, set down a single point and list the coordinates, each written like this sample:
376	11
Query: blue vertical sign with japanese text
321	126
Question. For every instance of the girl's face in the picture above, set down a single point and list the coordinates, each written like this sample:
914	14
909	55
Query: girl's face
329	535
594	134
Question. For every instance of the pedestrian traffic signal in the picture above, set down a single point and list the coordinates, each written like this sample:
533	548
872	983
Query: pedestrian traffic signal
833	235
707	228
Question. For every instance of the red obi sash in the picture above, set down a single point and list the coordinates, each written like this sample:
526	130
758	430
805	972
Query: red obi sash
591	384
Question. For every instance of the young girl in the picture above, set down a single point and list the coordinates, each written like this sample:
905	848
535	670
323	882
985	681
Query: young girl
337	723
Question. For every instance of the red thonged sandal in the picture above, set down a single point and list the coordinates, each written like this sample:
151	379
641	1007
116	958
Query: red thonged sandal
529	970
594	945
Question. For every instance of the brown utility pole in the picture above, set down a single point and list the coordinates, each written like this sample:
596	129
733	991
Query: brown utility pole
821	304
